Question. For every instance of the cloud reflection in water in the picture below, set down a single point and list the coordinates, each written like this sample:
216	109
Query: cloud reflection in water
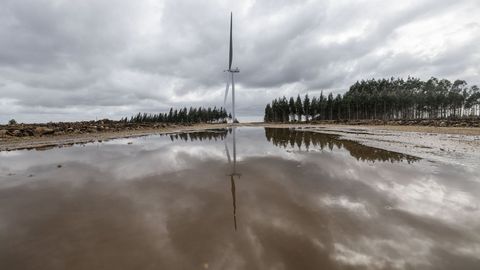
159	203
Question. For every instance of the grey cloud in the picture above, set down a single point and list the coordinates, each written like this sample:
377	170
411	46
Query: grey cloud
123	56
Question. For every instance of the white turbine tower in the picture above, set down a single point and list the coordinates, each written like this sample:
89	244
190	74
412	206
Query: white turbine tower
232	73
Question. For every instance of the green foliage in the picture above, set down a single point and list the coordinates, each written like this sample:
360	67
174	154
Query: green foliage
12	122
299	108
383	99
268	114
306	106
192	115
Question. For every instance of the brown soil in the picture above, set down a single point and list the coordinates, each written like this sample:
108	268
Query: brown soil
61	138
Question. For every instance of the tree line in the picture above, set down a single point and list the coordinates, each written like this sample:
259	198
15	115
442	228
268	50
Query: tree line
383	99
183	115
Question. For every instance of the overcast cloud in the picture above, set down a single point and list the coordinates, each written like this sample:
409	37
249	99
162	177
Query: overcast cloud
71	60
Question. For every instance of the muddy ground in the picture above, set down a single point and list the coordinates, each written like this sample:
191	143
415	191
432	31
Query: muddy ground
454	145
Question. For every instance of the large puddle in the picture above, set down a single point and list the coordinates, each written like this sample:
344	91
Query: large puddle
247	198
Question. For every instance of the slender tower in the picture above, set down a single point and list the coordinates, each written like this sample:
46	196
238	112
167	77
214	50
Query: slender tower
232	72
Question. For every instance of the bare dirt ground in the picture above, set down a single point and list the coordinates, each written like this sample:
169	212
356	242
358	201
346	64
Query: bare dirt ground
43	142
454	145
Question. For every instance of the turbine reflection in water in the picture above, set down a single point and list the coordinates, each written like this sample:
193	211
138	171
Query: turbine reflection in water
233	174
217	134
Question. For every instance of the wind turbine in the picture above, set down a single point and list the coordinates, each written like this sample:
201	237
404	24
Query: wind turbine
232	73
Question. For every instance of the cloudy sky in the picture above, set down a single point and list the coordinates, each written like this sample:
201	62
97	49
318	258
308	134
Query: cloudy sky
72	60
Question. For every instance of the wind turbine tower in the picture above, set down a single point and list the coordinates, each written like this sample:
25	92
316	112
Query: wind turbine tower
232	73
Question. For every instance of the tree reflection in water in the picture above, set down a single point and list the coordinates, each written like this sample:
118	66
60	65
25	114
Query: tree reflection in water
289	137
206	135
307	140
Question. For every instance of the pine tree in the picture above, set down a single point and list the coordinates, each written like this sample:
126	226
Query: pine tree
291	108
313	108
299	108
268	114
306	107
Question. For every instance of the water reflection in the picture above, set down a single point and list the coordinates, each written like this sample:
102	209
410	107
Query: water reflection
307	140
284	137
158	204
211	134
233	173
217	134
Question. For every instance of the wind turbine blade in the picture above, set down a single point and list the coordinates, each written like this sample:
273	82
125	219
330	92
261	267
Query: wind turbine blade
231	44
226	93
233	99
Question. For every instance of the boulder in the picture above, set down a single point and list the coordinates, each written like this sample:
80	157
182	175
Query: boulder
15	133
28	132
40	131
92	129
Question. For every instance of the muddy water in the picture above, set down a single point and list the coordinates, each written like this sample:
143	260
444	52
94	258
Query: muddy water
249	198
